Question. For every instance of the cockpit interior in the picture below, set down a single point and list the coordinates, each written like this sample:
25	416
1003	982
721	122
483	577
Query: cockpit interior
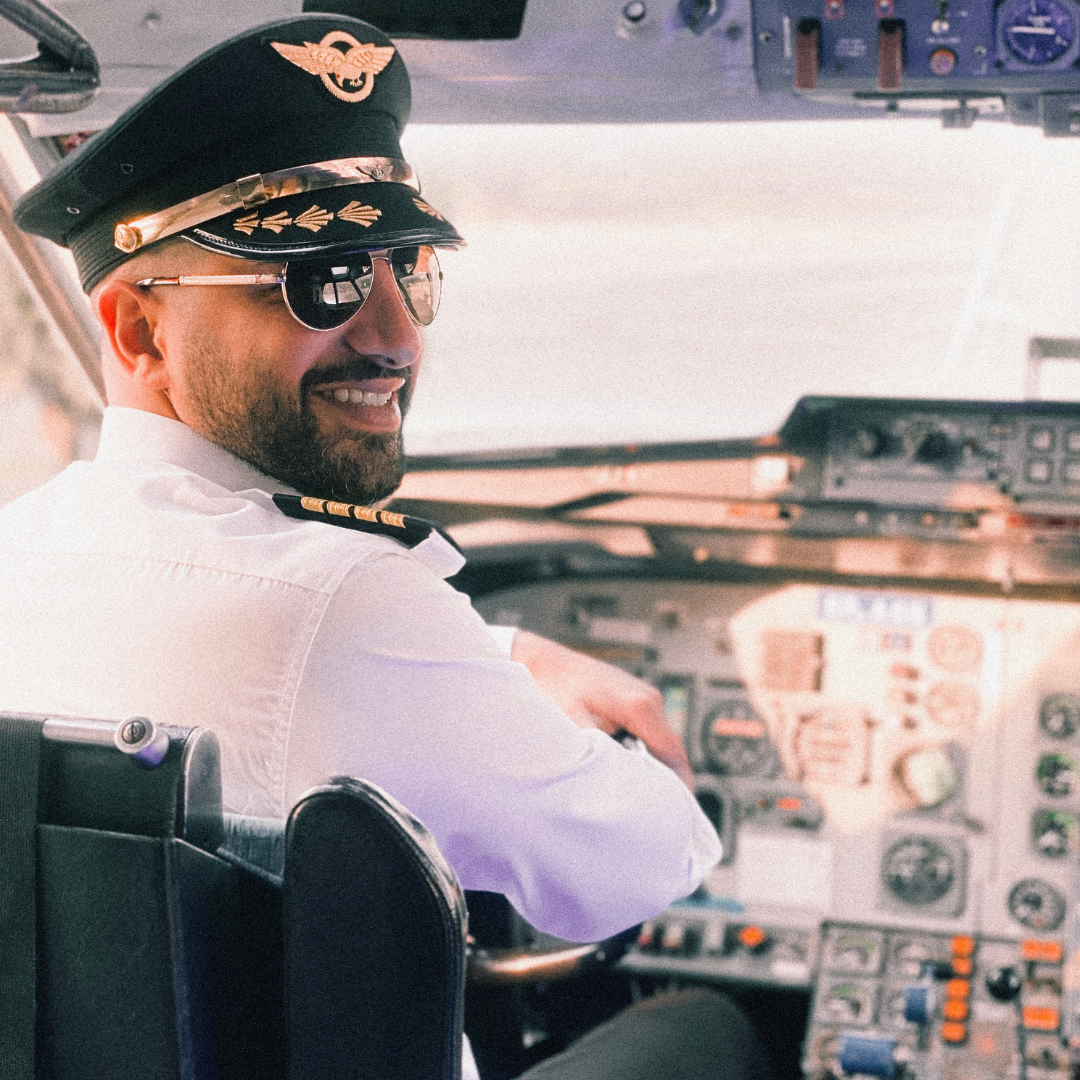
820	487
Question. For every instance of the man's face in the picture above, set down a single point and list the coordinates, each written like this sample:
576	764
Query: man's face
319	410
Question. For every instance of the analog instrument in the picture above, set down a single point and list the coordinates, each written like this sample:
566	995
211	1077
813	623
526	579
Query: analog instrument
1036	904
735	741
1059	715
1037	31
918	870
1055	833
1057	774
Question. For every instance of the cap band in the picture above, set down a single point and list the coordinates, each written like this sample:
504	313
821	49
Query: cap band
254	190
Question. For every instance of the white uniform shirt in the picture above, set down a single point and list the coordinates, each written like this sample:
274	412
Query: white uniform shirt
161	580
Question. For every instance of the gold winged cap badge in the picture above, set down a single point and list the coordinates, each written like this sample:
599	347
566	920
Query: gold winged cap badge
340	71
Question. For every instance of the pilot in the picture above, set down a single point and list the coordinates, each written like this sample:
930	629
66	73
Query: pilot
262	262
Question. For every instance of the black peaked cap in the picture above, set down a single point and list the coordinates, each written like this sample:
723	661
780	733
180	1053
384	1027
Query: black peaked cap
270	99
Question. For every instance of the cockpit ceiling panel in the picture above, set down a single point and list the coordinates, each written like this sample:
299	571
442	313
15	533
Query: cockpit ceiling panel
649	61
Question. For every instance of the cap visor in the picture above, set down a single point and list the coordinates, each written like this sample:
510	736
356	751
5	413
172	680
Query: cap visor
355	217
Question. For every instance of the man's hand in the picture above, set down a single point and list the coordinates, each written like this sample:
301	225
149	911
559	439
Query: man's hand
599	695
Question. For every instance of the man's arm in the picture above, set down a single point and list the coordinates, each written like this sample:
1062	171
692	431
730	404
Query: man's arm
598	695
405	686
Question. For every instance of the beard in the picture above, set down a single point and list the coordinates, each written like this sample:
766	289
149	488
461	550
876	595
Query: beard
255	418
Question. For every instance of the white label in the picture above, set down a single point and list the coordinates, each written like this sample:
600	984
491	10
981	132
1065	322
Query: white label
794	971
784	870
851	48
875	609
624	631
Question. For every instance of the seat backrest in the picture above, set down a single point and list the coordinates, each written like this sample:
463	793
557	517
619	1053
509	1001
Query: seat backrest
371	904
161	956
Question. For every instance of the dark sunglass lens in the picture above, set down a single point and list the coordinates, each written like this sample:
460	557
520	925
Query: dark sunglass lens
325	295
419	278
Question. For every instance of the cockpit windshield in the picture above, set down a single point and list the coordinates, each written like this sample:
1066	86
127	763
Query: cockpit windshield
654	282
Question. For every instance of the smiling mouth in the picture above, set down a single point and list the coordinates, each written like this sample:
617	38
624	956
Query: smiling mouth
345	395
370	404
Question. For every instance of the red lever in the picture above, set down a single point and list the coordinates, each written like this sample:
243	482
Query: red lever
807	53
890	54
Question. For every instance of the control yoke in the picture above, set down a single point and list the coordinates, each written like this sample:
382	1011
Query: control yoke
63	77
491	966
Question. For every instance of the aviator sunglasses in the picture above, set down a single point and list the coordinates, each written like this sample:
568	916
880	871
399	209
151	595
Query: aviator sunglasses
325	295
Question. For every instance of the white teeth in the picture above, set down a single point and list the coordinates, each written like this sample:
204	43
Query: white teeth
357	397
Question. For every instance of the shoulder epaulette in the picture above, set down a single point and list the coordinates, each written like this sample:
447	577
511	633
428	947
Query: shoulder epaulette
410	531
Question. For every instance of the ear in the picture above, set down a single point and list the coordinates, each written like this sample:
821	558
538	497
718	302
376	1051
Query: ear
129	317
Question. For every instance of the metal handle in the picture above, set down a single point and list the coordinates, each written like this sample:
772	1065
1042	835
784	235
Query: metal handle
530	966
137	735
63	77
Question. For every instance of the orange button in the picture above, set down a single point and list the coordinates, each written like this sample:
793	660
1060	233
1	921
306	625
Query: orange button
1046	952
961	965
963	946
955	1010
953	1032
752	937
958	988
1040	1019
788	802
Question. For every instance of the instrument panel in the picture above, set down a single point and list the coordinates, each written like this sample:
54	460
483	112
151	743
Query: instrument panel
895	774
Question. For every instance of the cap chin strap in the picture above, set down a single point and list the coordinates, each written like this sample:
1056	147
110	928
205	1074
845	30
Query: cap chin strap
261	187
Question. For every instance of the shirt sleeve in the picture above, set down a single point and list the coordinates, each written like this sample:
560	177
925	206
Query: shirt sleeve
405	686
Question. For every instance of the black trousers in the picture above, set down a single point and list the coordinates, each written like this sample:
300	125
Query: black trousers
687	1035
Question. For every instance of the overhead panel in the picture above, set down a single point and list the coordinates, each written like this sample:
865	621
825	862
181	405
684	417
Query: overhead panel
548	61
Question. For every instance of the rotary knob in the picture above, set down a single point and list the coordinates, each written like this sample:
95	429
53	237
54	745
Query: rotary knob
867	442
1003	983
935	448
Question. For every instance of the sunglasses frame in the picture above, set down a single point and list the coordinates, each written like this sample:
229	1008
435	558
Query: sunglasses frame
279	279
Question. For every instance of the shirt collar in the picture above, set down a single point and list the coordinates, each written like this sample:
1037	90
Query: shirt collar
133	434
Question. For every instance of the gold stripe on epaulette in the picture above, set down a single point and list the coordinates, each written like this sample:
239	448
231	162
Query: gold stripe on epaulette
339	509
365	513
315	505
392	519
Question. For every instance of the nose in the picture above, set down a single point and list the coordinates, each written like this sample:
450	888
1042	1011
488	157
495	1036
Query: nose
382	328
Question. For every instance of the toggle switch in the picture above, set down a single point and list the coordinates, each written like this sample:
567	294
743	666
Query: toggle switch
919	1003
807	53
753	938
868	1055
954	1009
890	53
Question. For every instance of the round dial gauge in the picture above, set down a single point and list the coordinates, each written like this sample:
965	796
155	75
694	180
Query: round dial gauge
917	870
1059	715
1057	774
1055	833
1037	905
735	742
1037	31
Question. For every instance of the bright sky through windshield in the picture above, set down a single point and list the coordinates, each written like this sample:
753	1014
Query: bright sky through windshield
655	283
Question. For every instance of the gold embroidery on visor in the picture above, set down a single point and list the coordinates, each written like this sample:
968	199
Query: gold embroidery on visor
251	191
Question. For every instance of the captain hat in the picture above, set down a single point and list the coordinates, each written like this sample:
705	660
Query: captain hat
279	144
